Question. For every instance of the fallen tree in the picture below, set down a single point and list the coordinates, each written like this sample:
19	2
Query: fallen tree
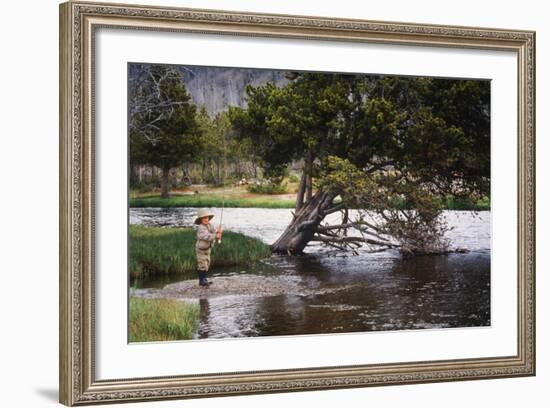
384	212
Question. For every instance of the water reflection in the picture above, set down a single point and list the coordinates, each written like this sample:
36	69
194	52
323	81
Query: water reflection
343	296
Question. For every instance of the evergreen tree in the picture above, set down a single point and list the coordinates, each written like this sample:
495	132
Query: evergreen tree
164	131
416	140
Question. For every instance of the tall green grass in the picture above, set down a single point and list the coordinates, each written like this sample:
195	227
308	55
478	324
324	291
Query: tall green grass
166	251
454	204
162	319
199	200
450	203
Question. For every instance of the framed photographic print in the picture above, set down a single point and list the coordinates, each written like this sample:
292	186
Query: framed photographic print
256	203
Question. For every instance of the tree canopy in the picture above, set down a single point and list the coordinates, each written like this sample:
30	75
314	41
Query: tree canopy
434	129
415	139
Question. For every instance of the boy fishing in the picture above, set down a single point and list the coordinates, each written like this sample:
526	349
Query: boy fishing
206	234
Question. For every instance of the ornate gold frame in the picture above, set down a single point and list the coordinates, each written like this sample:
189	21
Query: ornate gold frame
77	380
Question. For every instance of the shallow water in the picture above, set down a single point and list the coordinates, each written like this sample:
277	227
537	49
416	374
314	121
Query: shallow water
368	292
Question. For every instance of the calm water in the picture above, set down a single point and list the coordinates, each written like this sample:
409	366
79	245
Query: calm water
368	292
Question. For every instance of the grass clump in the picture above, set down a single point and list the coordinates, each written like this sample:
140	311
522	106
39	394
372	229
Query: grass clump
463	204
166	251
162	319
268	187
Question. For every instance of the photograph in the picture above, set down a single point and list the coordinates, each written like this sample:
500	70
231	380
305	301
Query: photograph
270	202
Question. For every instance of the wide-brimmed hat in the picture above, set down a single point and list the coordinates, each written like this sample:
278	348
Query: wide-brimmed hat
203	212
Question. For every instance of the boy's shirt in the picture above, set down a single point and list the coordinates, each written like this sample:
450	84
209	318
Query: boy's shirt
206	234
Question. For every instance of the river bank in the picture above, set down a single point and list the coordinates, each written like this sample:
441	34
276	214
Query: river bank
239	197
155	251
200	200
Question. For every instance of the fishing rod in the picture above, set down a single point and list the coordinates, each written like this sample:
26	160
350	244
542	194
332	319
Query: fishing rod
221	216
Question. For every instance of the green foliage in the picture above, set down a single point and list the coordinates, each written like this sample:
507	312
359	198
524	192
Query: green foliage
396	145
162	320
268	187
215	144
164	130
220	148
143	187
293	178
443	134
290	123
405	210
432	129
342	178
467	204
171	251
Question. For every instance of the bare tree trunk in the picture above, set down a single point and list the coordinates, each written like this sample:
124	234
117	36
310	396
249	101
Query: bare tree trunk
203	170
238	167
212	171
301	191
309	188
304	225
308	171
164	182
174	178
134	177
185	174
157	174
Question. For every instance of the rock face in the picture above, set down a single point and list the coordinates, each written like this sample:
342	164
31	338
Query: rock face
217	88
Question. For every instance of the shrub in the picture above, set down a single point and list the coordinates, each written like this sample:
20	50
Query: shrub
268	187
294	178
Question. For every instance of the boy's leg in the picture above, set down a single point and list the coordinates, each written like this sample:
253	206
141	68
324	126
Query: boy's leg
203	262
202	278
206	265
207	269
205	279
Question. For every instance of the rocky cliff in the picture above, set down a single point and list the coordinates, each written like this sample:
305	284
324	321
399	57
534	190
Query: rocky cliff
216	87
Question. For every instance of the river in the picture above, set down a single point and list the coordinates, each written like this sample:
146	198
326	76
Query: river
319	293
